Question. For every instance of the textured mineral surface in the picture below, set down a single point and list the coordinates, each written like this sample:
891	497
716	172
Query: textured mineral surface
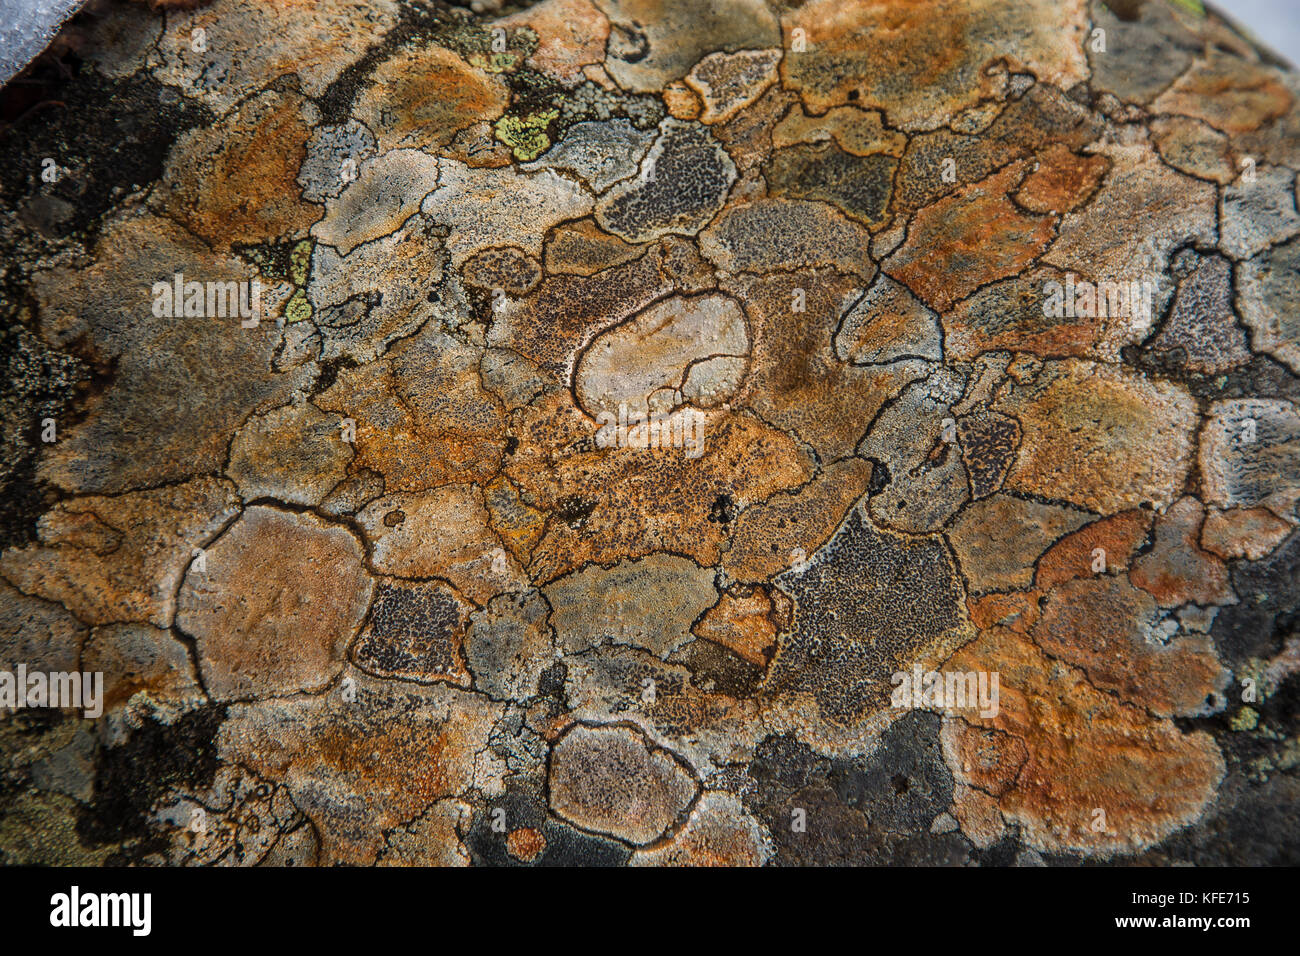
627	432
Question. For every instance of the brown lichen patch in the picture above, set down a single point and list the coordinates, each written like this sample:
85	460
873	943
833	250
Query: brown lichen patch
1119	537
1061	181
1175	570
797	381
1142	213
1148	777
1230	94
1101	438
121	558
583	248
1110	630
360	768
681	102
858	186
274	603
922	63
129	438
422	415
746	621
989	759
444	533
549	325
140	659
1011	314
1193	147
511	270
784	530
613	780
997	540
571	34
422	97
857	131
246	45
259	466
1250	533
969	239
719	833
237	180
607	504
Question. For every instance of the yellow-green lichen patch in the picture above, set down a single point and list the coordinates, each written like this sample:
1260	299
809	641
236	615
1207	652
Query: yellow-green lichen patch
526	135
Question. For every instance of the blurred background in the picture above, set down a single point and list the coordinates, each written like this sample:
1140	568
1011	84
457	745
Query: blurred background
1275	23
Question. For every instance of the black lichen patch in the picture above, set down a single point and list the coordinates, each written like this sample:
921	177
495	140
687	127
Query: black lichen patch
686	179
116	145
988	448
132	777
1269	607
858	186
875	810
869	604
38	386
414	632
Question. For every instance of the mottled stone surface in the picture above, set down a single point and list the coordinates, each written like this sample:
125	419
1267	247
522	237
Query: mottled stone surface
748	433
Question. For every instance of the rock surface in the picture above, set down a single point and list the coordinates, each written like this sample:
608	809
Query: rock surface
660	423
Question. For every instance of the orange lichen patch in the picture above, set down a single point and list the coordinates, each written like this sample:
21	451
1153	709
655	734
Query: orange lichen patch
445	533
682	102
525	844
1176	571
857	131
1250	533
423	96
237	180
1099	437
1118	537
969	239
357	771
608	504
922	63
419	444
990	759
1228	93
1147	777
121	558
746	621
1017	610
571	35
1108	628
1061	180
583	248
787	528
